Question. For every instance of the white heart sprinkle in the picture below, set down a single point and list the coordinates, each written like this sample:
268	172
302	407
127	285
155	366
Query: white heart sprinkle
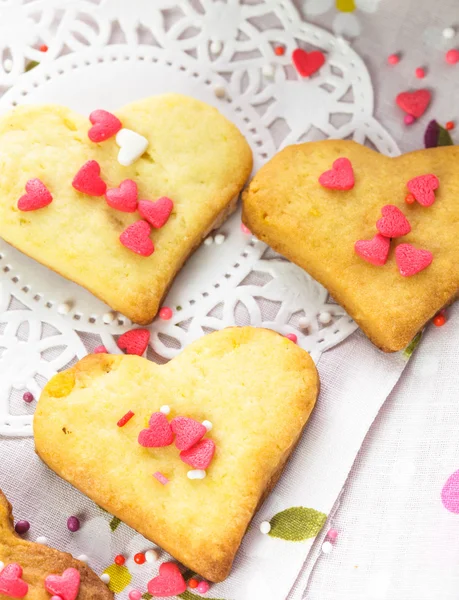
132	146
196	474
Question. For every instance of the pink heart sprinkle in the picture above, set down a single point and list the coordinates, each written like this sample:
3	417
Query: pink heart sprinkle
187	432
374	251
307	63
124	197
156	213
422	188
169	582
88	181
393	223
200	455
339	177
136	238
411	260
11	582
158	434
66	586
38	196
105	125
134	341
414	103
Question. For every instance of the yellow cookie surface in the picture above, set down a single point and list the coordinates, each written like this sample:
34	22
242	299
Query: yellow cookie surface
195	156
257	389
286	207
37	561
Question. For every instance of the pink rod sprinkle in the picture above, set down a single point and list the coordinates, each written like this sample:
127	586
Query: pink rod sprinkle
127	417
161	478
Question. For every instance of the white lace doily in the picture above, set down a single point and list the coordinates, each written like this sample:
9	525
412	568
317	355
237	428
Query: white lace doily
104	54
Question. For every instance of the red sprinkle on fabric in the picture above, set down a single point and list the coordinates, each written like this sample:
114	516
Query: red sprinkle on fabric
158	434
127	417
156	213
279	50
414	103
136	238
452	56
187	432
169	582
439	320
393	59
104	125
339	177
393	222
124	197
161	478
43	48
139	558
200	455
292	337
165	313
423	188
307	63
193	583
11	582
410	260
88	180
374	251
38	196
449	125
100	350
134	341
420	73
119	560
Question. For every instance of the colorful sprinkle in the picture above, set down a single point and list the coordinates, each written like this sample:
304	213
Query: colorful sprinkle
64	308
165	409
393	59
200	455
265	527
159	433
139	558
449	125
327	547
41	539
332	534
11	582
88	180
22	527
448	33
208	241
105	578
135	595
127	417
187	432
196	474
245	229
208	425
268	71
219	239
411	260
452	56
279	50
219	91
423	188
307	63
123	197
83	558
119	560
37	196
203	587
420	73
393	222
165	313
410	199
100	350
134	341
73	524
439	320
292	337
374	251
193	583
450	493
409	119
108	317
169	582
304	323
104	126
161	478
66	585
136	237
339	177
414	103
28	397
216	46
151	556
43	48
156	213
132	146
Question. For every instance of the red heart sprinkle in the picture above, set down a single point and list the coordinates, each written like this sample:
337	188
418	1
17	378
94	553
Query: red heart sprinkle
11	582
187	432
374	251
339	177
307	63
38	196
134	341
393	223
169	582
158	434
414	103
422	188
200	455
124	197
87	179
105	125
411	260
136	238
66	586
156	213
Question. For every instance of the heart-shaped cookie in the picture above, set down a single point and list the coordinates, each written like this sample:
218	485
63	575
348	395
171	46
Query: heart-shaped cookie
195	157
286	207
257	389
30	564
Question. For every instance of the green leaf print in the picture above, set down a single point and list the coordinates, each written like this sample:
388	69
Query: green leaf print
297	523
190	596
114	523
444	137
412	346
